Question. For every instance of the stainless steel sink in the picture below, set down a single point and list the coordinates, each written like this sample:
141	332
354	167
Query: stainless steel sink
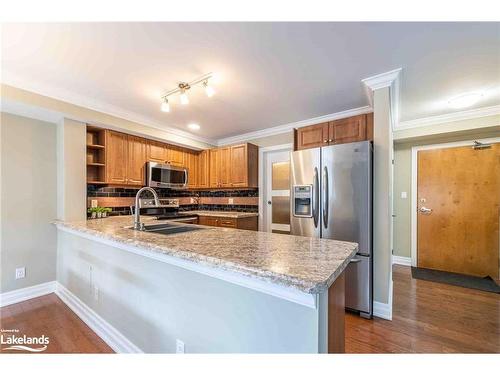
166	228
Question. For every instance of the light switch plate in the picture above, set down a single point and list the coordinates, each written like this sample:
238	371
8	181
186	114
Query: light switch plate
404	195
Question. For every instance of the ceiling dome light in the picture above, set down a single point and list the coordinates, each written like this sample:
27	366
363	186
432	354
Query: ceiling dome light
209	90
183	97
465	100
165	107
194	126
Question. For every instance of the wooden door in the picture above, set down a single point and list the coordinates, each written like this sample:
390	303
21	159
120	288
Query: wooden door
311	136
203	169
224	166
239	166
214	168
346	130
136	159
192	167
156	152
116	157
462	188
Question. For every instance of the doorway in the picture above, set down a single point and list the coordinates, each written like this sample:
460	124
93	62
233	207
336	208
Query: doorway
276	190
456	200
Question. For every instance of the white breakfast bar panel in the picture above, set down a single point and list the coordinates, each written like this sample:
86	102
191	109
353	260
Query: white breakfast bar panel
153	303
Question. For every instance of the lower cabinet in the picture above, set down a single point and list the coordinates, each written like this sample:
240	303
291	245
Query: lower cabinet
249	223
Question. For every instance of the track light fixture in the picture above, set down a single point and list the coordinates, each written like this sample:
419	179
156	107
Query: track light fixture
165	107
182	89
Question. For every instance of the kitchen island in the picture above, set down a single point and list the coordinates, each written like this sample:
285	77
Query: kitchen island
215	289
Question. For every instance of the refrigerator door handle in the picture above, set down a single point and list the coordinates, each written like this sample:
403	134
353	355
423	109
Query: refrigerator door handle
325	197
315	197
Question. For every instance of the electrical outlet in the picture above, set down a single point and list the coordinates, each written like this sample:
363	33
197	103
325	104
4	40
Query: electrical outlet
20	273
96	293
179	346
230	201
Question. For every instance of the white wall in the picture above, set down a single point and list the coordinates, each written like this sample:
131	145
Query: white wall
28	186
153	304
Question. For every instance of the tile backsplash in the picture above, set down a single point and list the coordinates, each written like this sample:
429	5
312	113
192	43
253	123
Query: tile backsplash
120	199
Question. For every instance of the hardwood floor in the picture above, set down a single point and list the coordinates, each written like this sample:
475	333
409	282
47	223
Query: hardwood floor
429	318
49	316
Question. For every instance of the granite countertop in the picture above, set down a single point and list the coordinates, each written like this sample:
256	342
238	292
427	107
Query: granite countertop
231	214
307	264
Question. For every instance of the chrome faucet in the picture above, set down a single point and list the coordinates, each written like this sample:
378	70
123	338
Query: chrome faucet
137	217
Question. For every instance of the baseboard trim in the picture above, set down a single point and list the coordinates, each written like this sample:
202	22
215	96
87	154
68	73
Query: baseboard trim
20	295
382	310
404	261
111	336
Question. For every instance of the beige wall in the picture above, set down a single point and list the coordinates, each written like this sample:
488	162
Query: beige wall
28	185
82	114
71	171
402	168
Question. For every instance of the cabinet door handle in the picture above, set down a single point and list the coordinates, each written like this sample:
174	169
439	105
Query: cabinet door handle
326	141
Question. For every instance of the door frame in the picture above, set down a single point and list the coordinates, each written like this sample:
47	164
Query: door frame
263	152
414	175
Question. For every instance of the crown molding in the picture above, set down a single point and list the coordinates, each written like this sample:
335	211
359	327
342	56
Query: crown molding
390	79
285	128
382	80
450	117
95	105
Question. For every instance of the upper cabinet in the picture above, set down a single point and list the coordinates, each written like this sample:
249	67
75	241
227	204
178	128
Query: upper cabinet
234	166
351	129
175	156
115	158
136	160
156	151
203	169
125	159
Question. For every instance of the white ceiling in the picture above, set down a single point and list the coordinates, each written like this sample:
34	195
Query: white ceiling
269	73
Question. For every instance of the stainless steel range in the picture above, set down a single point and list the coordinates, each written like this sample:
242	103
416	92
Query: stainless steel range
167	210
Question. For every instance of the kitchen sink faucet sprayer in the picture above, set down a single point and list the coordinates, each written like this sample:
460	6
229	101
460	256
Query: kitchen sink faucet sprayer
137	217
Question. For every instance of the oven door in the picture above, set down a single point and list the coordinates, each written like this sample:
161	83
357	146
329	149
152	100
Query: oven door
166	176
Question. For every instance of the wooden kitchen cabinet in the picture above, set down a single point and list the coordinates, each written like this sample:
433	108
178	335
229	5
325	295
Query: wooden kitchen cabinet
116	157
175	156
224	167
125	159
346	130
311	136
136	160
213	156
203	169
234	166
156	151
244	165
248	223
191	163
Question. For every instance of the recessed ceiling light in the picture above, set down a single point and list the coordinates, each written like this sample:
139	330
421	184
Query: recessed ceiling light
194	126
465	100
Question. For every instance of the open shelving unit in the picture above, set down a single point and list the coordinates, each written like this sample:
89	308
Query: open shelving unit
96	155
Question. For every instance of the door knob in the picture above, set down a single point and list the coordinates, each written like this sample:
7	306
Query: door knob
425	210
268	202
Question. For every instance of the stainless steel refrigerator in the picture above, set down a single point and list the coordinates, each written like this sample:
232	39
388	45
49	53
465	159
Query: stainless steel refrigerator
331	191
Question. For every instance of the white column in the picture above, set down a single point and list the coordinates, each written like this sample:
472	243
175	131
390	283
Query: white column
384	90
